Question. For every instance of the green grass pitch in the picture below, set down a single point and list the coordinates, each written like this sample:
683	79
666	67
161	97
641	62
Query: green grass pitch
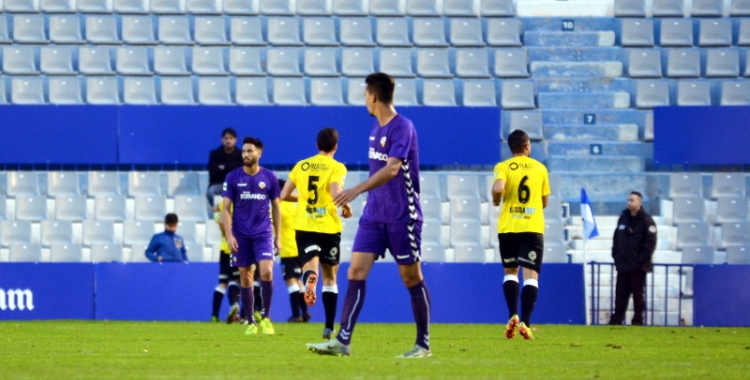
121	350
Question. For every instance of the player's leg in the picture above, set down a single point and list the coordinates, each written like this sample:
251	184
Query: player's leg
258	306
330	297
622	296
290	268
302	305
511	288
530	258
637	281
310	279
233	298
219	292
244	259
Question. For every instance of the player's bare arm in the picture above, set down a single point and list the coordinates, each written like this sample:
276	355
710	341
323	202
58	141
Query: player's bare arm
226	222
385	174
286	192
276	212
544	201
497	192
346	210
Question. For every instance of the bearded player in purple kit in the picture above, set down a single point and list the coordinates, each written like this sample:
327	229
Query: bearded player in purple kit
249	191
392	219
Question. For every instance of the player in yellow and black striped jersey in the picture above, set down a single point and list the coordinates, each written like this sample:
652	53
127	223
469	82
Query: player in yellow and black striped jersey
318	227
291	266
228	278
522	184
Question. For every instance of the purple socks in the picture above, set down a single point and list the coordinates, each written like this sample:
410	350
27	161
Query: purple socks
355	298
420	304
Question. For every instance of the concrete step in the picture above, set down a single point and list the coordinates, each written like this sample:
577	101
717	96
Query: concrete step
602	100
606	148
604	132
610	69
538	150
575	54
584	85
595	116
569	38
575	8
579	24
596	164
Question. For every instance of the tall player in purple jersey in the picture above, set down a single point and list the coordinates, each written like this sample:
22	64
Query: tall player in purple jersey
392	219
249	191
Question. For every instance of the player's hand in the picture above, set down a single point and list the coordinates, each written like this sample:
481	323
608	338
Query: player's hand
277	246
232	243
346	211
344	197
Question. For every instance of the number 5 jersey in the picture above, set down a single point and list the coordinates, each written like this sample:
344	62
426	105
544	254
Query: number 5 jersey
313	178
526	182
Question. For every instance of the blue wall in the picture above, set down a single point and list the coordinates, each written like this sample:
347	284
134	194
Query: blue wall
702	135
720	296
185	134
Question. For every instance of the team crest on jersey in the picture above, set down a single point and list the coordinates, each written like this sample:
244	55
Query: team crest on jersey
382	141
532	255
178	243
262	185
513	166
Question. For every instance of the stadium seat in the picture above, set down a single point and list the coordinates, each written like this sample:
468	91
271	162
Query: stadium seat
138	30
214	91
150	208
319	32
245	61
21	6
396	62
240	7
504	32
168	6
511	63
517	94
432	209
676	33
743	39
472	63
350	8
110	207
429	32
276	7
554	234
102	90
313	7
56	60
357	62
252	91
211	31
22	183
4	36
464	208
651	93
283	62
392	32
144	183
183	183
434	253
95	6
103	183
27	91
326	92
708	8
466	233
208	61
135	231
387	8
469	253
64	90
685	185
356	31
133	60
735	234
31	207
132	6
423	8
497	8
70	207
98	231
188	231
65	252
441	93
19	60
668	8
739	8
321	63
728	184
190	207
433	63
731	210
24	252
170	60
529	122
102	30
738	255
458	8
56	231
463	186
204	7
16	231
355	88
246	31
106	252
703	254
689	209
644	63
692	234
715	32
405	93
174	30
479	93
466	32
29	29
289	91
283	31
630	8
62	183
722	63
65	30
177	91
3	207
693	93
95	61
637	32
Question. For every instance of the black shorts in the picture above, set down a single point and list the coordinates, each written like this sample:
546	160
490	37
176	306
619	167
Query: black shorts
523	248
291	267
325	246
227	273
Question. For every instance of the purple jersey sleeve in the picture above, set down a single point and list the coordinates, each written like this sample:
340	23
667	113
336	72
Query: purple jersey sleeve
401	142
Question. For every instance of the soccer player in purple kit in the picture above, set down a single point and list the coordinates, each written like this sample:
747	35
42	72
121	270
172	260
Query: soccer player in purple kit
249	191
392	219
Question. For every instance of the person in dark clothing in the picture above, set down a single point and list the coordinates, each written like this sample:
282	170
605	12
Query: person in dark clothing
167	246
221	161
632	248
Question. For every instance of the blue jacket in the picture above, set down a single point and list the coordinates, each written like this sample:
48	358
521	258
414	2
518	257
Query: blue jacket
167	245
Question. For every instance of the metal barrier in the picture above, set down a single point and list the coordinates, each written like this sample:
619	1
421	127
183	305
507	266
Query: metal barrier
650	294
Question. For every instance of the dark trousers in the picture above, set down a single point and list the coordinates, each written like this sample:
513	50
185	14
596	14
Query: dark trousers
629	283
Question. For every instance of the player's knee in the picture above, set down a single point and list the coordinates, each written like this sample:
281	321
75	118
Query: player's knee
356	273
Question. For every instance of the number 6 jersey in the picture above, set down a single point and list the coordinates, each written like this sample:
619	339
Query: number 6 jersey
526	182
313	178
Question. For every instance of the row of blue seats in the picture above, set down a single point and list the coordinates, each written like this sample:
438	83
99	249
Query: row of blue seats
677	8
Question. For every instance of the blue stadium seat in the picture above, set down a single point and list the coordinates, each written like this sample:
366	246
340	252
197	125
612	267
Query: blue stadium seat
356	31
64	90
326	92
644	63
95	60
466	32
459	8
240	7
637	33
738	255
190	208
209	61
722	63
65	252
472	63
357	62
731	210
56	60
56	231
715	32
314	7
63	183
283	62
319	31
283	31
350	7
204	7
708	8
692	234
387	8
511	63
739	8
405	93
676	32
688	209
396	62
735	234
95	6
133	61
289	91
27	91
429	32
462	187
4	36
102	30
138	30
168	6
683	63
529	122
432	209
102	90
214	91
246	31
70	207
29	29
392	32
110	207
136	231
24	252
479	93
177	91
252	91
139	90
170	60
132	6
22	183
465	209
728	184
106	252
22	6
65	30
58	6
245	61
276	7
144	183
517	94
433	63
668	8
685	185
440	93
497	8
174	30
152	208
320	62
630	8
31	207
183	183
16	231
423	8
701	254
211	31
19	60
103	183
504	32
355	88
651	93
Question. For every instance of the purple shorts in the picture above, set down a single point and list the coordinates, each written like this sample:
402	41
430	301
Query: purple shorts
252	250
403	240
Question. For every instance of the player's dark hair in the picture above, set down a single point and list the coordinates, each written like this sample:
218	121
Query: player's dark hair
171	219
229	131
382	85
252	140
517	141
637	193
327	139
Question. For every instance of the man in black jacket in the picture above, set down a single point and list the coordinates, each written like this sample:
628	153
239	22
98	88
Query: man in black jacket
634	243
221	161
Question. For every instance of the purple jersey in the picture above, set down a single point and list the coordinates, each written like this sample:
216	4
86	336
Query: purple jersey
251	196
398	199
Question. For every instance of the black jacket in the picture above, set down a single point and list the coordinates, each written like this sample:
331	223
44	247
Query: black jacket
634	242
220	164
